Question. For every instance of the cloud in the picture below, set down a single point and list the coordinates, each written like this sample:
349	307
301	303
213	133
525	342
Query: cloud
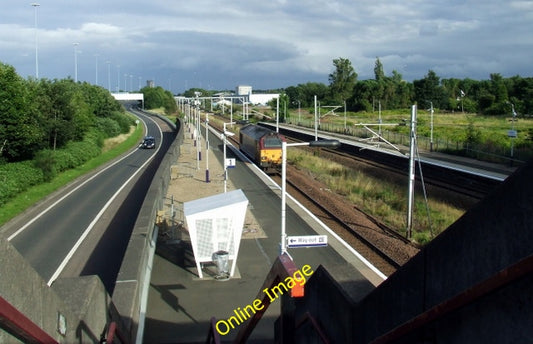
277	42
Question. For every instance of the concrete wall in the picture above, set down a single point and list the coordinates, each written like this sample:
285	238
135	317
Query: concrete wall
495	234
131	289
330	297
83	301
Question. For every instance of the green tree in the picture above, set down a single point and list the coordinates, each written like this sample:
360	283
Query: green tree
428	90
342	80
20	133
379	74
157	97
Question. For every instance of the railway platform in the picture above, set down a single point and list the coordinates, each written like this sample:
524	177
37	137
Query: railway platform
470	284
180	304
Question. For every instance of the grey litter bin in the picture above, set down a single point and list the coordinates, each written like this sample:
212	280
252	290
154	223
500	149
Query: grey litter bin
221	260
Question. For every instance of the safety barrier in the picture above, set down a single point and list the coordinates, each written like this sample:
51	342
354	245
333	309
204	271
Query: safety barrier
20	326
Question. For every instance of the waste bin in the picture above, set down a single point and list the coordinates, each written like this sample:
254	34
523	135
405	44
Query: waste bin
221	260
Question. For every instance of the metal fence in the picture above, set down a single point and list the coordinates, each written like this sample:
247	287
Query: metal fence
482	152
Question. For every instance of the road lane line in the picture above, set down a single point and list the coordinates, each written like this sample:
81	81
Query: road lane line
100	213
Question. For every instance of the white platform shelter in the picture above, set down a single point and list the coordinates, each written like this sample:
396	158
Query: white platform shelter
215	224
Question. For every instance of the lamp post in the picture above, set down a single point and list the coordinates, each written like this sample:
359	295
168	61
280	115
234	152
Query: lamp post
75	62
207	147
96	69
197	108
277	114
284	145
225	135
35	5
108	75
118	78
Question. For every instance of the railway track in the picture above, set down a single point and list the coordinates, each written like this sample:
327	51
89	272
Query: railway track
381	254
382	246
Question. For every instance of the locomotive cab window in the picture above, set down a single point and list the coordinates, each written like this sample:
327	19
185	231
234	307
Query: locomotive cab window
272	142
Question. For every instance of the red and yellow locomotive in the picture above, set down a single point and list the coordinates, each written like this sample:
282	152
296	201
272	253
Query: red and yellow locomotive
262	145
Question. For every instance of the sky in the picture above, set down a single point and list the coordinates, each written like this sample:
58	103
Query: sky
218	45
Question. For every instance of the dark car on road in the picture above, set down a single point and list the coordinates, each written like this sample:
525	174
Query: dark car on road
148	142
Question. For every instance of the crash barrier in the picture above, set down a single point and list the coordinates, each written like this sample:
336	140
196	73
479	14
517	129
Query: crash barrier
131	290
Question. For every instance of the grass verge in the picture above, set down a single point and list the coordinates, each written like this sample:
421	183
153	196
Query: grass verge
27	198
383	200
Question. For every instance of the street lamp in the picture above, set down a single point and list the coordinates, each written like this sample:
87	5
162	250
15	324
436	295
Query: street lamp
207	147
35	5
108	76
284	145
75	61
96	69
225	135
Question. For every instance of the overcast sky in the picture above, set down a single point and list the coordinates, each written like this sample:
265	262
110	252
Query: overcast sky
264	43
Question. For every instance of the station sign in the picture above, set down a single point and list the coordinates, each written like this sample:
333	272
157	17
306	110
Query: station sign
307	241
230	162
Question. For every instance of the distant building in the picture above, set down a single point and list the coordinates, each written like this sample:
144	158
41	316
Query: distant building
150	83
262	98
243	90
255	99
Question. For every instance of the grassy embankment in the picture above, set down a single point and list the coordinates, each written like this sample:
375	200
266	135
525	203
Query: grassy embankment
112	148
382	199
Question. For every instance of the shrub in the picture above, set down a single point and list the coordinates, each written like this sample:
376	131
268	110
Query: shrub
108	126
17	177
123	120
45	161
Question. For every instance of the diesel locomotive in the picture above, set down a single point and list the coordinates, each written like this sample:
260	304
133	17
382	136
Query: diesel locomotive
262	145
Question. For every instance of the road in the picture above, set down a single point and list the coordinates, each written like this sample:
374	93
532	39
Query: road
84	229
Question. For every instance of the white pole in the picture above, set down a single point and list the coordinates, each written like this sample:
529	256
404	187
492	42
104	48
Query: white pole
108	76
316	123
75	62
431	129
35	5
379	118
283	247
345	116
225	137
225	165
277	114
118	78
96	69
410	200
299	114
207	147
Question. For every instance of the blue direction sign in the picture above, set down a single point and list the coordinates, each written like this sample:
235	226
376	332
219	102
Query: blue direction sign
307	241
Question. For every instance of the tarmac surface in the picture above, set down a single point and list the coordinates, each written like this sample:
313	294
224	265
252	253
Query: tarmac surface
180	304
